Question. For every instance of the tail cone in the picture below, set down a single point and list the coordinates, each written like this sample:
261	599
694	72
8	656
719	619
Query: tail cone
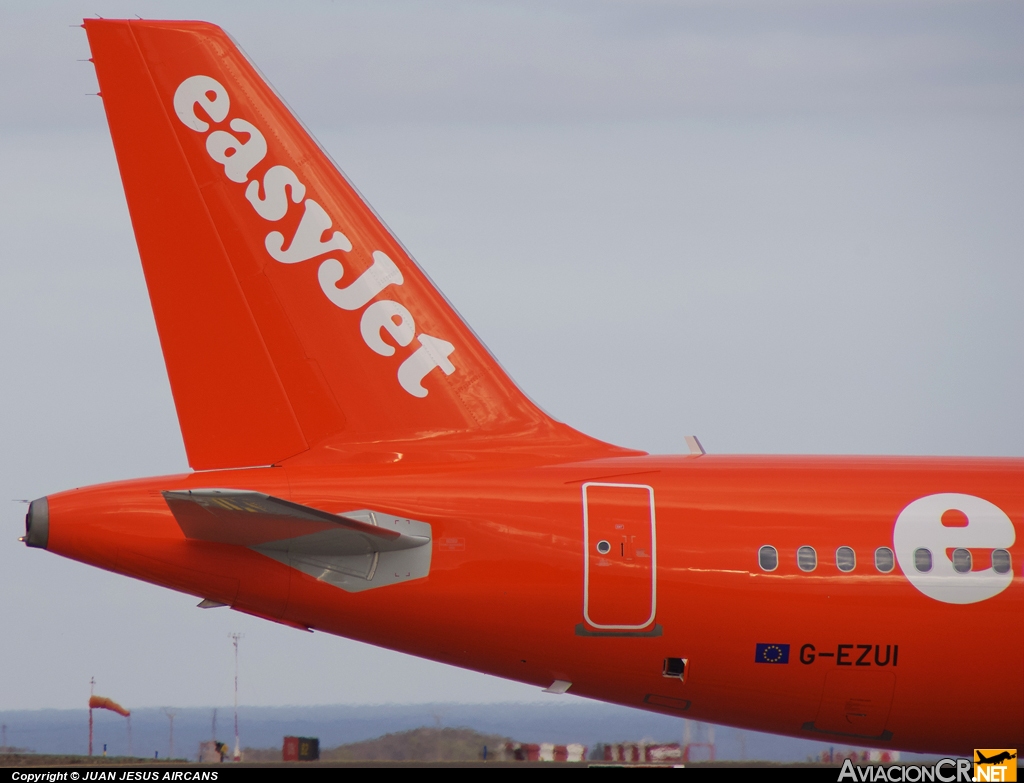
37	524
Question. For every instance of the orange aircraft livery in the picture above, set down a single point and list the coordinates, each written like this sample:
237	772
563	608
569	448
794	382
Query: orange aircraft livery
364	467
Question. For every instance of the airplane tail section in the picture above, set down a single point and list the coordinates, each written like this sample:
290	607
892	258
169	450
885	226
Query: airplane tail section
291	320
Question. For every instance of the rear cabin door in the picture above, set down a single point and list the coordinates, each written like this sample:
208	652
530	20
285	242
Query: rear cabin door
620	556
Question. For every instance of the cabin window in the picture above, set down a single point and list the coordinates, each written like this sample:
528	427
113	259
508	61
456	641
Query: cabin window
806	558
1000	561
674	667
603	547
884	560
962	560
923	560
846	559
768	558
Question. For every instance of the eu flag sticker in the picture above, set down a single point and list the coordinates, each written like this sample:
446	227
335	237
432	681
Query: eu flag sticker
771	653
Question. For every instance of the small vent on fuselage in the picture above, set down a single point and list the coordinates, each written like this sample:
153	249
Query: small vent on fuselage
674	667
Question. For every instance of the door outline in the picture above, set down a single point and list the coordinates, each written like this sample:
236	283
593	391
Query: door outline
586	558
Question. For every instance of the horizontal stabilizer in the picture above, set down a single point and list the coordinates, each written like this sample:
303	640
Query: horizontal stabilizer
356	550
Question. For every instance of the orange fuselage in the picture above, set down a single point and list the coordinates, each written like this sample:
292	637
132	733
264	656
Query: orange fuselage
871	659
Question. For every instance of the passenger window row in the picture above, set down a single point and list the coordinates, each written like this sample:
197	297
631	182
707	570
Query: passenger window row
885	561
963	561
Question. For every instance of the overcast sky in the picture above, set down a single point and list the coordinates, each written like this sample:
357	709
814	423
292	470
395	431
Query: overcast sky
784	227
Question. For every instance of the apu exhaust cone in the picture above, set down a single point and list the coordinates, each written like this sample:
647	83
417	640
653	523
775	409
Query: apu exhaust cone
37	523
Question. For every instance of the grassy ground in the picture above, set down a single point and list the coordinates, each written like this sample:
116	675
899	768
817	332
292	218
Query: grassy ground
423	744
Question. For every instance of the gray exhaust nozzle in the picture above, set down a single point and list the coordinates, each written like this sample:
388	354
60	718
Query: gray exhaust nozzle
37	524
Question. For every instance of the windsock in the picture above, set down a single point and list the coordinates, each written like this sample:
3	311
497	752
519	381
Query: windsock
103	703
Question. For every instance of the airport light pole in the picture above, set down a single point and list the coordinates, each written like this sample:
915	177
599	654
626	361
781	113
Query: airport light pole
237	756
170	748
92	689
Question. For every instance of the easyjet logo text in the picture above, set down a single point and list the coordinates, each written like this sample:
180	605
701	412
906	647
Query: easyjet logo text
936	538
273	196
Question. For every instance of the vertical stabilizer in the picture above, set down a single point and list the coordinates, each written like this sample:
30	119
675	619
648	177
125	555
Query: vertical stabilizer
289	317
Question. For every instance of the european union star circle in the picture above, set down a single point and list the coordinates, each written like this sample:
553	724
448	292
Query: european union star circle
771	653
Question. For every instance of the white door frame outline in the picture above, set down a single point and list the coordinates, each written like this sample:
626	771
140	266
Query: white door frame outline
586	558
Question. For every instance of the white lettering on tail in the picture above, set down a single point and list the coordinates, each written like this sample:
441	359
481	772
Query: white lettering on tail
197	89
239	158
431	353
274	203
307	242
379	276
382	315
